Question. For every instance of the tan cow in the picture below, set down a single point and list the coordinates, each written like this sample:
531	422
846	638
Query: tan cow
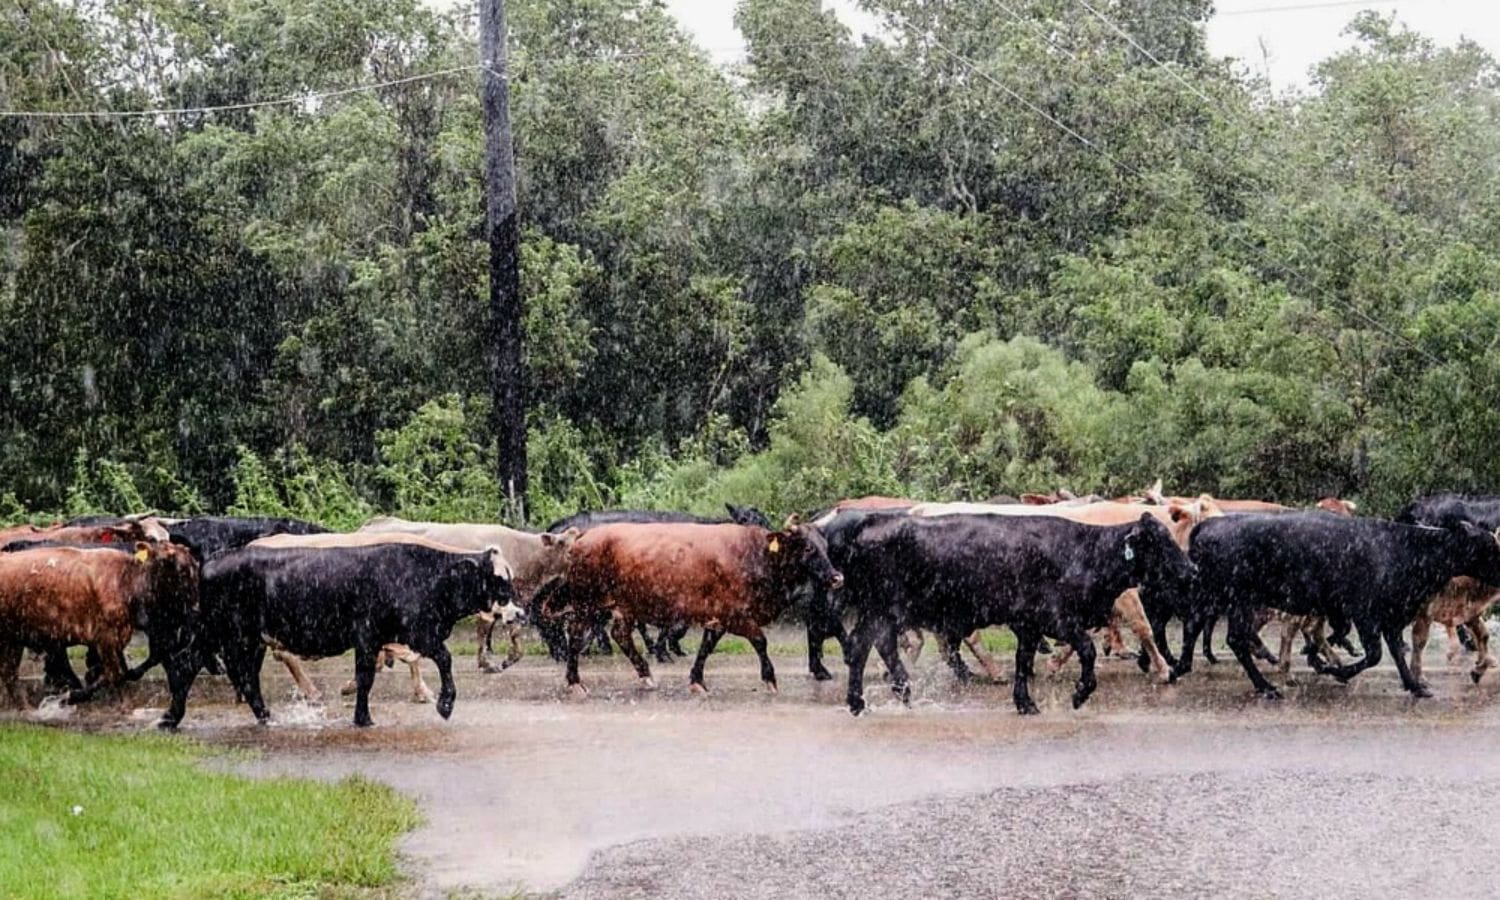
537	561
294	664
1179	517
1462	601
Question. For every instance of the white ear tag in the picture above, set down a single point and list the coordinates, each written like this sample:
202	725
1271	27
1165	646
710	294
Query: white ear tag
1129	553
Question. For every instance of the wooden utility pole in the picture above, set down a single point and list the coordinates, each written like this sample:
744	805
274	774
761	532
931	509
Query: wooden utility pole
506	311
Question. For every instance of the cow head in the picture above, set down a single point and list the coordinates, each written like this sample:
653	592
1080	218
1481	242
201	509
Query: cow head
1337	506
479	583
168	605
803	552
1479	553
1155	559
747	515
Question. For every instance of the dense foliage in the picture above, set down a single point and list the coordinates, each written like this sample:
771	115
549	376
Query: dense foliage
843	267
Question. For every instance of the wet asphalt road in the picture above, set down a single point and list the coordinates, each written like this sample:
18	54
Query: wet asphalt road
1178	791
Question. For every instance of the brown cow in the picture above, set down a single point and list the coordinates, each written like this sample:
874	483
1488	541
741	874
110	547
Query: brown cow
126	533
1462	601
537	562
727	578
61	596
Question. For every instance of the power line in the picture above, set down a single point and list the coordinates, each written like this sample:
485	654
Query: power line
228	107
1298	7
1149	55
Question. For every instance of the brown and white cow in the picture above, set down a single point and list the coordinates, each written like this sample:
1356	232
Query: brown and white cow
63	596
1462	601
394	652
732	579
538	563
126	532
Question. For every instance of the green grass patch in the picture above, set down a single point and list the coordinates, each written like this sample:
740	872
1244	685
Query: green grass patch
155	823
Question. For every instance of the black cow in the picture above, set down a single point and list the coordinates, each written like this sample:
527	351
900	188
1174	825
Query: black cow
209	536
1372	573
322	602
669	639
953	574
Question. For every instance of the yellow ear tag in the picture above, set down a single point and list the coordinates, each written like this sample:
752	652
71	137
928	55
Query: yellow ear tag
142	555
775	546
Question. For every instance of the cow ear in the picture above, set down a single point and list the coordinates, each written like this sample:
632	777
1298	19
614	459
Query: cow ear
142	551
792	521
1177	512
773	542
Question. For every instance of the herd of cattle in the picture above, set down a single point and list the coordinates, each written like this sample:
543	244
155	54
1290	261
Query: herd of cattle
218	593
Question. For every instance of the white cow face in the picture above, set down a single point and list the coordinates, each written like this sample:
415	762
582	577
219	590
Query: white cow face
511	614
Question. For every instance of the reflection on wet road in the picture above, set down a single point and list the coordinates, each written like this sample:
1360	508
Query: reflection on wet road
1181	790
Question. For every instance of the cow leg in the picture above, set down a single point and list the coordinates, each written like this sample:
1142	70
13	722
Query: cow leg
817	634
705	648
762	650
1340	636
1209	624
484	632
623	631
513	633
1083	645
1421	627
182	670
1192	625
243	666
1465	638
447	690
1242	641
1369	638
366	659
420	692
1129	610
1483	659
658	647
58	672
601	639
912	640
986	660
674	640
111	656
1159	635
1291	626
890	654
10	667
863	637
305	686
1027	639
1394	643
575	636
949	642
136	673
1056	661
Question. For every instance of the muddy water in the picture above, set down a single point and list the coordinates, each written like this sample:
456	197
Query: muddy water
1179	790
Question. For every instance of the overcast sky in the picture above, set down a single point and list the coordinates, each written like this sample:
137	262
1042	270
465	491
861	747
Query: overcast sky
1281	39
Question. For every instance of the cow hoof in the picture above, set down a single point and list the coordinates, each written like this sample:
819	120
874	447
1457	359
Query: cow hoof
1028	709
1079	701
445	707
421	698
1475	676
578	691
821	674
167	725
698	688
1269	694
348	689
771	686
490	668
648	683
856	706
1422	692
366	723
